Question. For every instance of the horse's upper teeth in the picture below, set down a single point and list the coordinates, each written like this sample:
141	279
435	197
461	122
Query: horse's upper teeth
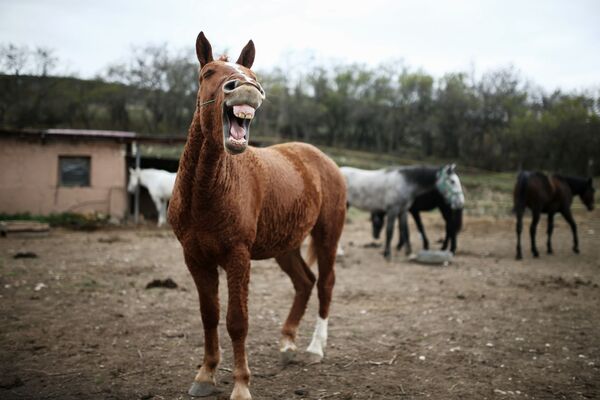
243	115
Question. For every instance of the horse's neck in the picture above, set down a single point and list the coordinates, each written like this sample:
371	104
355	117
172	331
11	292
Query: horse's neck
204	165
576	185
424	187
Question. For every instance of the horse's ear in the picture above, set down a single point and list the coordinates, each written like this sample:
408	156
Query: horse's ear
247	55
203	50
452	168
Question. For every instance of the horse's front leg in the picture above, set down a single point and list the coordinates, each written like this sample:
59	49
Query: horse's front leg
206	278
163	213
571	221
237	267
519	229
158	203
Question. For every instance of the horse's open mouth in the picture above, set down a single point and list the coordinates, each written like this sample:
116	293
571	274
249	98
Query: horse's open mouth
236	127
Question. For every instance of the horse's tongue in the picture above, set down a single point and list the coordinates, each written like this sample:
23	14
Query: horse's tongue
237	131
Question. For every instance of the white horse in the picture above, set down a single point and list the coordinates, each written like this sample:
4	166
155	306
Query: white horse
393	191
159	184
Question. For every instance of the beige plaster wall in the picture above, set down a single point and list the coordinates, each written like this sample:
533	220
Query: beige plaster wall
29	177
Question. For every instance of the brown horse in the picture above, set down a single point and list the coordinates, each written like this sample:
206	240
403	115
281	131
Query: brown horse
233	203
549	195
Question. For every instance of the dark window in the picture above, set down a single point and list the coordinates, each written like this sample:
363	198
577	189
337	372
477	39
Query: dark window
73	171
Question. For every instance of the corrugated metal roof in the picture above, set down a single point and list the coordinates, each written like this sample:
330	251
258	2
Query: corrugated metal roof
92	133
123	136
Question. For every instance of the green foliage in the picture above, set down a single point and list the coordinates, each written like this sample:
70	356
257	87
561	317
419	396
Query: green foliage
496	122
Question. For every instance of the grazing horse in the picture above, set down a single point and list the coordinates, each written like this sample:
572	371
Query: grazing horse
159	184
427	202
393	191
233	203
448	196
549	195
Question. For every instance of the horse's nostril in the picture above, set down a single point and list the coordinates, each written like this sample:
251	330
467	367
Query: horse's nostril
230	85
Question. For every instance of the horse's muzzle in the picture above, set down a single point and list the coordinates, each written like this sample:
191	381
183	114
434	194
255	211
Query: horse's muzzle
242	98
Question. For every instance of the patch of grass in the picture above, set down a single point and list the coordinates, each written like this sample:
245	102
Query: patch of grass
85	222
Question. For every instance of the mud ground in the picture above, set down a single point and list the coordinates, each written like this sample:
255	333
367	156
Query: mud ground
78	322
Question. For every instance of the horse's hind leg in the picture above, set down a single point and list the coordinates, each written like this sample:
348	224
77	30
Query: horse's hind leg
417	217
550	229
389	231
532	231
325	237
303	280
519	230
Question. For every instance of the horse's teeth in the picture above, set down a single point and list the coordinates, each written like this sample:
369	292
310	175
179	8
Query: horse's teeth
243	115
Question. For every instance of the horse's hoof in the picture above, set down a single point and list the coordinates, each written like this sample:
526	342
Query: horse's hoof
287	357
576	250
519	257
313	358
550	251
536	254
203	389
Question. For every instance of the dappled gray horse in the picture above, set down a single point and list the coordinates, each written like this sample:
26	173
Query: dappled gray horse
393	190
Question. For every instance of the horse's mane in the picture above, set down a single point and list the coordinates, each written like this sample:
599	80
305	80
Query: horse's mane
422	174
224	57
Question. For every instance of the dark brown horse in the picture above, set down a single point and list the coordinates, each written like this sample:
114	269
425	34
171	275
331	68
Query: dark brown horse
233	203
549	195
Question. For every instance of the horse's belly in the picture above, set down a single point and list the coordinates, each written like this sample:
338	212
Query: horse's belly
283	229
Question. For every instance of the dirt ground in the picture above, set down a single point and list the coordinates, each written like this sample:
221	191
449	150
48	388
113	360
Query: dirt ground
78	322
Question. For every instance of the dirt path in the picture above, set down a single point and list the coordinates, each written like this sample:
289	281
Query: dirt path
484	327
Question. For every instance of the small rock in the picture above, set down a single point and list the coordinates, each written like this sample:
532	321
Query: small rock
165	283
25	254
301	392
11	382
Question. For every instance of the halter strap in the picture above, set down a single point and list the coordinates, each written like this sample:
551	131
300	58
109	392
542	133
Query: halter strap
206	102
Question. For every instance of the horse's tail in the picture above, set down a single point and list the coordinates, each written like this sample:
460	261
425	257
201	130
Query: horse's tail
520	189
311	255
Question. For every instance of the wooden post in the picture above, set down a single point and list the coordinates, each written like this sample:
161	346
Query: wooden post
136	200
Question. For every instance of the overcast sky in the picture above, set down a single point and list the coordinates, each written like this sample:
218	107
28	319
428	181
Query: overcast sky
553	43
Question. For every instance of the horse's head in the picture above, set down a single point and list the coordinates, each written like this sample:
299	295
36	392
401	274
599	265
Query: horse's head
587	196
229	95
134	178
448	184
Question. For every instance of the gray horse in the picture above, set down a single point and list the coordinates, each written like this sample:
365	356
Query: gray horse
393	190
